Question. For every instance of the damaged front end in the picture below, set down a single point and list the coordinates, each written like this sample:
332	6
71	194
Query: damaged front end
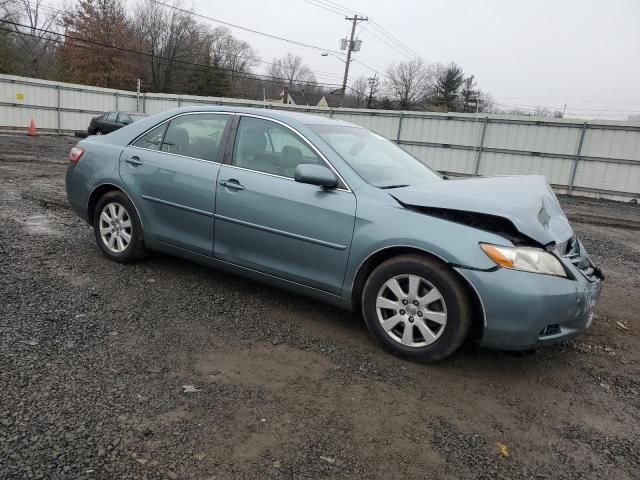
481	221
521	209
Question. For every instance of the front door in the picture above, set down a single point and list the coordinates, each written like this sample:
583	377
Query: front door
171	172
266	221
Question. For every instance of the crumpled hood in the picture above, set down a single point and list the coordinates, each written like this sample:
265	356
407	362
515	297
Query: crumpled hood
526	200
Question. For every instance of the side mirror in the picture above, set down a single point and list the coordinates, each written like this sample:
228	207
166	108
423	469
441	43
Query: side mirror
315	175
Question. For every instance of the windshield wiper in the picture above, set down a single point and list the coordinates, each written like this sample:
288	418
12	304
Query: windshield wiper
393	186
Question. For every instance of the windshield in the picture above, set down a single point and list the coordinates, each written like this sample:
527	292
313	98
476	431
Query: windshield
377	160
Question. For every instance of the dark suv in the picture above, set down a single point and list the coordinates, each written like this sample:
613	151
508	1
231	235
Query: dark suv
110	121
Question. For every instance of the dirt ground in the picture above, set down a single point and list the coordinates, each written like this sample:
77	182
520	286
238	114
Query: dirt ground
94	356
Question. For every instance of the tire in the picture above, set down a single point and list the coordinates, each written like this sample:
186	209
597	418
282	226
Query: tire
117	228
97	131
442	307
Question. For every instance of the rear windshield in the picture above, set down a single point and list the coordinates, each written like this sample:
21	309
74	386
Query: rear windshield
135	117
377	160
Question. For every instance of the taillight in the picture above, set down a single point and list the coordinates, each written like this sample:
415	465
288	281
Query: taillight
75	154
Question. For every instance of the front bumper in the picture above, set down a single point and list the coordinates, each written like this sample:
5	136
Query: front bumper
525	310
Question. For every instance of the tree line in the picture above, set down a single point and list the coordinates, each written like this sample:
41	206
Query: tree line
110	43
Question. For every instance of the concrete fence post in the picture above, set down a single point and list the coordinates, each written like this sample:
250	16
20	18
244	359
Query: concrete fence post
144	103
476	168
58	110
576	160
399	132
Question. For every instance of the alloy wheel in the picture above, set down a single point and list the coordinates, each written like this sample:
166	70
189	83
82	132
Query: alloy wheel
115	227
411	310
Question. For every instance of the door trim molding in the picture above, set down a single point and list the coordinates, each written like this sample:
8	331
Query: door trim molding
284	233
177	205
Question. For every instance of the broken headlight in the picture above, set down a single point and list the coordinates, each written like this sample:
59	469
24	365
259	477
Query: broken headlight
526	259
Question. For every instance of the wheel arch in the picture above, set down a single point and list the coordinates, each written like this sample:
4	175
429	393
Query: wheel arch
99	191
372	261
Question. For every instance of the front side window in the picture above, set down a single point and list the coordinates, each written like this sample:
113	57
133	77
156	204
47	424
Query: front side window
111	117
378	161
269	147
152	139
196	136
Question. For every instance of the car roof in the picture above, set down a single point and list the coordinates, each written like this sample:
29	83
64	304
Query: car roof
283	115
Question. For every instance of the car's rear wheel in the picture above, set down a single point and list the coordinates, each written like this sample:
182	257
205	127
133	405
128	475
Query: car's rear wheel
117	228
417	308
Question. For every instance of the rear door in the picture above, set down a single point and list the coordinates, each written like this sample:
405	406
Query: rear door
171	172
266	221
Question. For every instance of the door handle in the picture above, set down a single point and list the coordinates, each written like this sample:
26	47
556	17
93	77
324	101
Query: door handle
232	183
134	161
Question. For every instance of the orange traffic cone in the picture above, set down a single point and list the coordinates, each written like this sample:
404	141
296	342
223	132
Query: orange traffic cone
32	128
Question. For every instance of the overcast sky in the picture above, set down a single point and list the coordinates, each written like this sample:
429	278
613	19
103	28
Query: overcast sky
582	53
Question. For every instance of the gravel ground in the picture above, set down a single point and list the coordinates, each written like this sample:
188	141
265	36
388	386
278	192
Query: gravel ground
94	357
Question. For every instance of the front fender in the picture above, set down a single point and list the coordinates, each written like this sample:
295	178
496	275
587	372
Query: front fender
381	225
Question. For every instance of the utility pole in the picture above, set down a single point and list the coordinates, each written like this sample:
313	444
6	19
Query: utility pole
350	48
373	86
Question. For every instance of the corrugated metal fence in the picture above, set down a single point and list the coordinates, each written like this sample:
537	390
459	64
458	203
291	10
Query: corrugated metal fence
594	158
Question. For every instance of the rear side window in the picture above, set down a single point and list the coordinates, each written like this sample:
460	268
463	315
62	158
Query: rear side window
196	136
111	117
152	139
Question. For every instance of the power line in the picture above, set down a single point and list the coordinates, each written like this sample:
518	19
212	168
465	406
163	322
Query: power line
625	102
370	68
379	27
317	3
260	33
340	10
568	108
319	73
401	52
239	74
268	35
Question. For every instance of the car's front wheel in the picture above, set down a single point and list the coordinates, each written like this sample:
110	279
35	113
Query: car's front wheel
117	228
417	308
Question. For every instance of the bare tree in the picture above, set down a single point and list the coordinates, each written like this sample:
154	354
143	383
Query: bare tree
359	92
408	82
469	95
236	57
292	71
33	34
373	85
8	12
486	103
171	37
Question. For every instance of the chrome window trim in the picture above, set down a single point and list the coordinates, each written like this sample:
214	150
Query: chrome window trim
280	176
131	143
176	155
305	140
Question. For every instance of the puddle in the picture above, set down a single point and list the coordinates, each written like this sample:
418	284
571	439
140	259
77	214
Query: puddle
39	225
